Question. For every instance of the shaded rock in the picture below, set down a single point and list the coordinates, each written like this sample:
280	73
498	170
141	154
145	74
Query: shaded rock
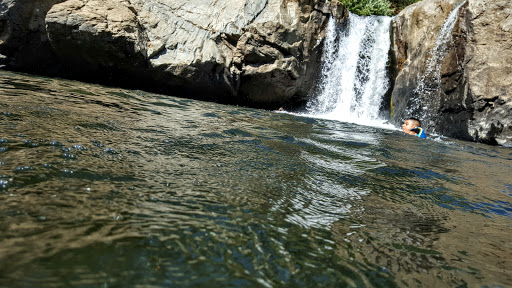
97	32
23	41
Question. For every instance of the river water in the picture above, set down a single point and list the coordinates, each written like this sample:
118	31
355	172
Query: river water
105	187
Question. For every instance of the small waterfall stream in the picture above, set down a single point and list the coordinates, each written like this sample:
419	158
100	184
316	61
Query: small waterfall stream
353	80
430	81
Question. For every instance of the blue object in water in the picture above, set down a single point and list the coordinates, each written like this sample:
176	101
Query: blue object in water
420	132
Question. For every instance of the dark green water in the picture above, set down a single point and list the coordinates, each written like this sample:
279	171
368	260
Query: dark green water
104	187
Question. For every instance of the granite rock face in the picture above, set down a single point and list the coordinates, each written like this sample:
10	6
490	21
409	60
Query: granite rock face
489	69
262	53
461	88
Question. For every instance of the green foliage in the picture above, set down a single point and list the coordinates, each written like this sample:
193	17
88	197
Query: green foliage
376	7
368	7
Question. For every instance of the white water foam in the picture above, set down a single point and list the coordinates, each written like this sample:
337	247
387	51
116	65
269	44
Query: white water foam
353	80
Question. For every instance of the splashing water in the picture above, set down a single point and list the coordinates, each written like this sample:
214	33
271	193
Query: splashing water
353	80
430	81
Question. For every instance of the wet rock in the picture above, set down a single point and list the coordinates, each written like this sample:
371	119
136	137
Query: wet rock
472	98
23	40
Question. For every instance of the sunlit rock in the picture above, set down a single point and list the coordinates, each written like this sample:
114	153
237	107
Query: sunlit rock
258	53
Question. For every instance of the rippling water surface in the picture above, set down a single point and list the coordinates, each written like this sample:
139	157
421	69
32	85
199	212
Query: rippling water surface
104	187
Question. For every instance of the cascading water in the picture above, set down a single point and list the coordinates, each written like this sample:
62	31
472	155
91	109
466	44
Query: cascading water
353	80
430	81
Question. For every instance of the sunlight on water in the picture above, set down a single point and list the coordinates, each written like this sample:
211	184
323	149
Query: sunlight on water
377	123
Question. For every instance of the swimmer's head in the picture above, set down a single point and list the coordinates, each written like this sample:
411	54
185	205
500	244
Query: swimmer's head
411	124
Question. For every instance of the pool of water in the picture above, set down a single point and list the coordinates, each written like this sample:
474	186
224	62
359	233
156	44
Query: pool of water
106	187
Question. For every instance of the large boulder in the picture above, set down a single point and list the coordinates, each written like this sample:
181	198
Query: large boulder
459	84
262	53
103	33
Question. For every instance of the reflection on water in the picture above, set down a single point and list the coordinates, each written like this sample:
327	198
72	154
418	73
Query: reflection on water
109	187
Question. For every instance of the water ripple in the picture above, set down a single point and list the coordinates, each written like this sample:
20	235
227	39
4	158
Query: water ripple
109	187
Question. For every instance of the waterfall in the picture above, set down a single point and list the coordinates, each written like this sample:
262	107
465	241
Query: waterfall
353	78
430	81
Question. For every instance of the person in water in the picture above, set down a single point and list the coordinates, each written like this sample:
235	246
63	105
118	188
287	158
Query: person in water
412	126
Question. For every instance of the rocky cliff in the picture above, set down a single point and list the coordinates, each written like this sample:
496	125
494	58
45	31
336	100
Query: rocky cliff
460	86
262	53
266	53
